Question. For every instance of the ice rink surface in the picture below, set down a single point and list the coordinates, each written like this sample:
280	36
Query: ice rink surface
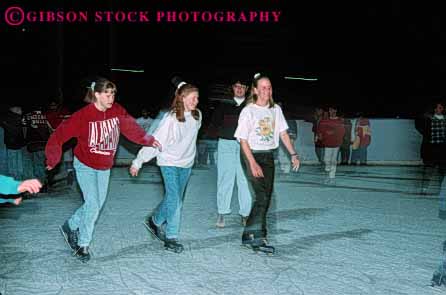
371	233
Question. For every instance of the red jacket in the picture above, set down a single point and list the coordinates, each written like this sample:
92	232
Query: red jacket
331	132
97	136
363	130
55	117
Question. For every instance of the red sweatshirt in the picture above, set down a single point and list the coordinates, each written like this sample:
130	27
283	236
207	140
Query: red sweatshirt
97	136
331	132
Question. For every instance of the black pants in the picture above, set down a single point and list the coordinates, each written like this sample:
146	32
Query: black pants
261	191
345	154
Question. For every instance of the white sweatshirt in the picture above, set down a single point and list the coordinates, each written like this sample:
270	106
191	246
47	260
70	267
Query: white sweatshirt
178	141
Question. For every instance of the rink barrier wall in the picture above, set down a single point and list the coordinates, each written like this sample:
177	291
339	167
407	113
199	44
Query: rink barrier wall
394	142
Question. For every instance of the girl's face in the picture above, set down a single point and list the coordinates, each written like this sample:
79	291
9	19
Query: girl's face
264	91
105	99
190	101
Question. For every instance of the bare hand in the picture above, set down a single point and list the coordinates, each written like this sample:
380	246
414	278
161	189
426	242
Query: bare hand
133	171
32	186
157	144
48	167
295	162
256	170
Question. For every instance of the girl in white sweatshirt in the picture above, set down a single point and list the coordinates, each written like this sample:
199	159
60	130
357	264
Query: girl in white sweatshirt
177	133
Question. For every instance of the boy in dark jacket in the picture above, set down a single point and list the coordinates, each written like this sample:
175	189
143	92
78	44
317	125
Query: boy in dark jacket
14	141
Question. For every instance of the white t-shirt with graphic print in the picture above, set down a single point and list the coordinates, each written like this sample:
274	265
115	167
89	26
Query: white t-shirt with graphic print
261	126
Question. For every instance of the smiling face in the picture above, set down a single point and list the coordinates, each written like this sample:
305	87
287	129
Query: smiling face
105	99
190	101
264	91
239	90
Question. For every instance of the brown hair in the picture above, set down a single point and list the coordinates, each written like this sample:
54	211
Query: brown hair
177	106
99	85
252	96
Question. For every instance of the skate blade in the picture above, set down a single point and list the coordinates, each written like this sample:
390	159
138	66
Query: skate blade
436	288
83	259
65	237
258	250
173	250
151	232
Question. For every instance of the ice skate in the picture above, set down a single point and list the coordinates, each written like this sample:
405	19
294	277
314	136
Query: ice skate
154	229
173	246
258	245
83	254
70	236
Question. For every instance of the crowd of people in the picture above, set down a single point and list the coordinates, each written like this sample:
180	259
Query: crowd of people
250	127
338	139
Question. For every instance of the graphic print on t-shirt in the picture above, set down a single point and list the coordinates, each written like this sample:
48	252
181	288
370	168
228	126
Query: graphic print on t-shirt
103	136
265	130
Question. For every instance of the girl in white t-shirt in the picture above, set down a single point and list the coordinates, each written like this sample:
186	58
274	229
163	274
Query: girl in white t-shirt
177	132
260	127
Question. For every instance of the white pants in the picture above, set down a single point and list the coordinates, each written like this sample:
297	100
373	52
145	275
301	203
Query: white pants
229	169
331	160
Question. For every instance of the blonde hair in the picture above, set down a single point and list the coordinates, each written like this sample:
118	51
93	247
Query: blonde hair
252	96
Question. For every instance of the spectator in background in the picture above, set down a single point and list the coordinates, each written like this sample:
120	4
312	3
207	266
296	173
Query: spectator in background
363	134
331	132
433	128
145	120
56	114
37	132
14	140
347	141
318	148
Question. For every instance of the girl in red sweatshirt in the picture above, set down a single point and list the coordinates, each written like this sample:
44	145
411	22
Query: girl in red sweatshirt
97	128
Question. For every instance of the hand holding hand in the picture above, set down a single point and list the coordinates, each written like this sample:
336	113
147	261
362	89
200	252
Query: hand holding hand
157	144
133	171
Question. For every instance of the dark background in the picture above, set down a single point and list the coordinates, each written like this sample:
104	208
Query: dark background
386	58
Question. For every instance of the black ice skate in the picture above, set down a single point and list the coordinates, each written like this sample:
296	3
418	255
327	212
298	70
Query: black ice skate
70	236
154	229
258	245
83	254
173	245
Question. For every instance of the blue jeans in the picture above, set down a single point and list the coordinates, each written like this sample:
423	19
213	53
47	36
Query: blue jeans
359	155
229	170
15	163
94	186
169	211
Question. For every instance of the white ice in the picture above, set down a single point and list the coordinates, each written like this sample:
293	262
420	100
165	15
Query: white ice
372	233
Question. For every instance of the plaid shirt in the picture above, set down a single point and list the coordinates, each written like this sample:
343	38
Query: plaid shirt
438	130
